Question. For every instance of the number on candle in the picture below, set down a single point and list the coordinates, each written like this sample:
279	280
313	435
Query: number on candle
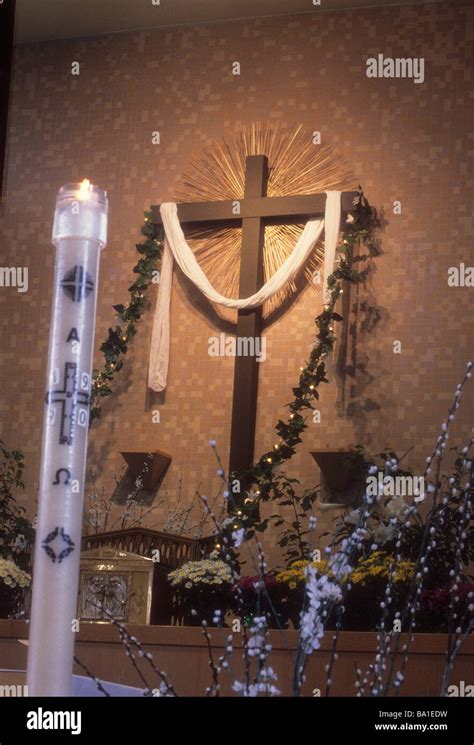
82	418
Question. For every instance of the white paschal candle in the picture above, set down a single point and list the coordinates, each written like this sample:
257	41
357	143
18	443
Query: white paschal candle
79	234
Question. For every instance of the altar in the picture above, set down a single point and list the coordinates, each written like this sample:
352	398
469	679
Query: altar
183	653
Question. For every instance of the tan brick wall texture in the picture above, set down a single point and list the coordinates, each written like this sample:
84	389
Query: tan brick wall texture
404	141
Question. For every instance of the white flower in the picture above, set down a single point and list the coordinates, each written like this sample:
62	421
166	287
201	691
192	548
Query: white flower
19	543
396	506
383	533
320	591
353	517
12	575
263	685
238	537
255	645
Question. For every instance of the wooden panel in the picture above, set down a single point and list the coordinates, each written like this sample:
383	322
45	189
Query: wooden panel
182	653
174	550
7	18
157	463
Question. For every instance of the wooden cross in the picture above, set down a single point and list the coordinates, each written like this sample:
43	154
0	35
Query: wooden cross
256	211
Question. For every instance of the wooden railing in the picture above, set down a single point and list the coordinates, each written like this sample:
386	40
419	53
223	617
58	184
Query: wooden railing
175	550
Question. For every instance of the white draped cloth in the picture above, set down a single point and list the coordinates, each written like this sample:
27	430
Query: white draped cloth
175	247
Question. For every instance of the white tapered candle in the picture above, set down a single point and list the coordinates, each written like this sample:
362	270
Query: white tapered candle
79	234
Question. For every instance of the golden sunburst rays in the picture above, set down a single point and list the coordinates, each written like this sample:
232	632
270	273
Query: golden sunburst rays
217	172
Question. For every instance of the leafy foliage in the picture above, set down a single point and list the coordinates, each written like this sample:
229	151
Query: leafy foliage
292	538
443	555
117	342
16	532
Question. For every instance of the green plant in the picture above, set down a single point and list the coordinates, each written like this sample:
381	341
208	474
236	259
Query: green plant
382	528
16	532
293	538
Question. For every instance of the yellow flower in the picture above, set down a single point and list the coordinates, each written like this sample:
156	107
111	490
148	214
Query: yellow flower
379	565
297	572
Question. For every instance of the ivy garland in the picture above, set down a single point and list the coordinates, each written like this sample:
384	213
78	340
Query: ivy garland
118	339
263	475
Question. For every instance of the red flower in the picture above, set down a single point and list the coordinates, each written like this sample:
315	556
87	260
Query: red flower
437	601
250	585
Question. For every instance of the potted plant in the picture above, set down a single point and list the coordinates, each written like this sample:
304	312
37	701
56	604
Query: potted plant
366	587
260	596
16	533
368	584
13	580
202	588
291	583
434	614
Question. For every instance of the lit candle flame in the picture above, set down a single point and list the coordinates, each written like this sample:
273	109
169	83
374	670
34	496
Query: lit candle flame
85	185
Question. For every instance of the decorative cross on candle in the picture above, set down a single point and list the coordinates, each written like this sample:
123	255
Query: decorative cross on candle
77	284
69	398
57	551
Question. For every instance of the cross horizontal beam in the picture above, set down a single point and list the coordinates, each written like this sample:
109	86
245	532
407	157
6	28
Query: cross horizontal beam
284	209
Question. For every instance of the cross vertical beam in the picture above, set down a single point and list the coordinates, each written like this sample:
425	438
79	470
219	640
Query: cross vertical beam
249	322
